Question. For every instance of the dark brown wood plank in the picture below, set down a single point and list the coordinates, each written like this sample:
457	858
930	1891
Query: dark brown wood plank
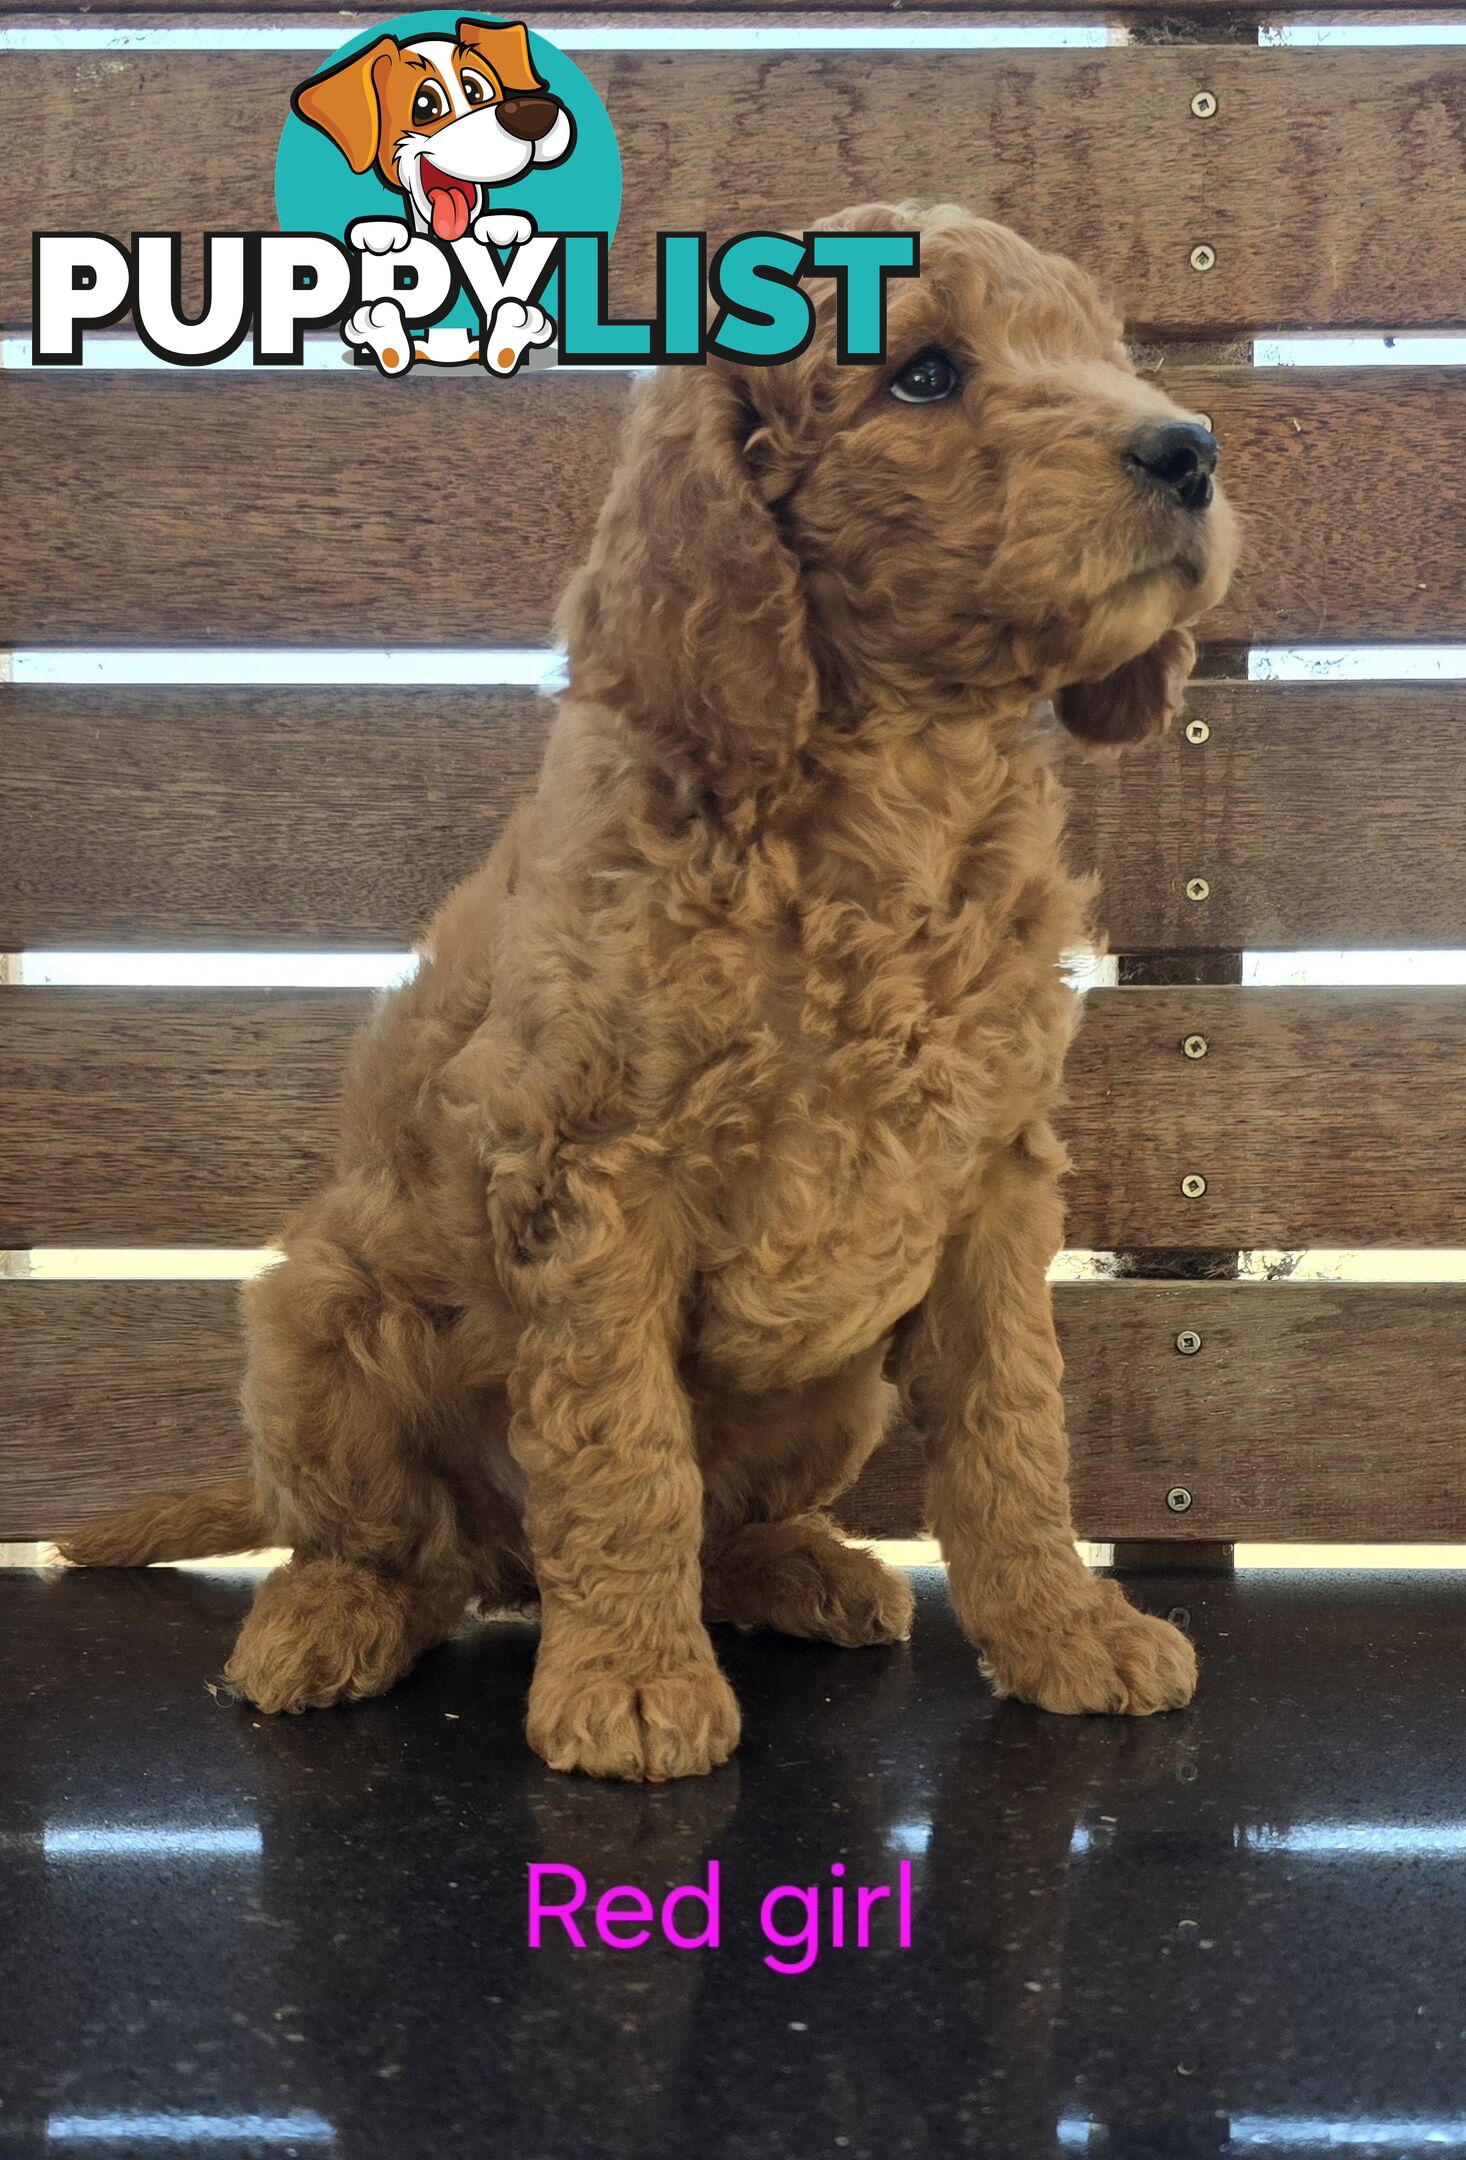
1316	1117
257	513
179	508
1331	470
1094	152
1310	1412
1319	814
165	1118
114	1390
1328	1117
244	817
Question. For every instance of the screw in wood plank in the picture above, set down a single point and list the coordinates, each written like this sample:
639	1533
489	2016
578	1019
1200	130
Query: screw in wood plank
1203	105
1178	1500
1193	1186
1197	889
1203	257
1195	1046
1188	1342
1197	731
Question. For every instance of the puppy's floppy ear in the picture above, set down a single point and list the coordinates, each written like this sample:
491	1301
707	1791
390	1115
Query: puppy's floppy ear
689	618
505	46
344	103
1141	698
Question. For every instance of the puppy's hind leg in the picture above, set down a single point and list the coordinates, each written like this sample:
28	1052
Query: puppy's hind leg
328	1631
781	1457
801	1578
343	1393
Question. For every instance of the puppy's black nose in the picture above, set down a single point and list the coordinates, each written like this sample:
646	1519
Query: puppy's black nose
1179	458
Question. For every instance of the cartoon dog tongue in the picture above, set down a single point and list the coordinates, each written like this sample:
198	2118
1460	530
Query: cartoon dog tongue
450	200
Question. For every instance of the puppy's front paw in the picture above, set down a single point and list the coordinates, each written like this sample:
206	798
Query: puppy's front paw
669	1725
503	228
378	236
1111	1659
381	328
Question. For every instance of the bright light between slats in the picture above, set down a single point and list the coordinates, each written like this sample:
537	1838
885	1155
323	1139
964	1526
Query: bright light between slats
219	970
1380	349
1361	969
112	353
1379	1264
1357	663
771	37
530	666
1427	33
1383	349
150	1263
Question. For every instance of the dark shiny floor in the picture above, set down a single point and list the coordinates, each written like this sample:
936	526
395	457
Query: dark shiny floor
1238	1930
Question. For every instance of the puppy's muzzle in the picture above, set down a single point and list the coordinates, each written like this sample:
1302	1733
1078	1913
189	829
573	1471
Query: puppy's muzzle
528	119
1178	460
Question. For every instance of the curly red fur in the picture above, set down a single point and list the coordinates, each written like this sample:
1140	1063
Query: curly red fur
724	1086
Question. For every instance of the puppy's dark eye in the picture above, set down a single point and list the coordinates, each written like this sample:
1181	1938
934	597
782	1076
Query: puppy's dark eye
427	105
927	379
475	89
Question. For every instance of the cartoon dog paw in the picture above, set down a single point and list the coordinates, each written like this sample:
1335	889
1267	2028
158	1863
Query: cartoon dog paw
382	329
378	236
503	229
516	326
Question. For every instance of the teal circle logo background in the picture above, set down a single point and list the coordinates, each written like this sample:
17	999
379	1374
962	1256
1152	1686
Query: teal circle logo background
317	191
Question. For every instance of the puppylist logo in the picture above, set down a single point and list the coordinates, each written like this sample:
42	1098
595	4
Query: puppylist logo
447	189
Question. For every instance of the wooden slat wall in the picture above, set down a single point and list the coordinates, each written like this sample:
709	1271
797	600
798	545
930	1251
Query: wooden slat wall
1320	814
1279	1427
1259	180
256	513
174	508
201	1117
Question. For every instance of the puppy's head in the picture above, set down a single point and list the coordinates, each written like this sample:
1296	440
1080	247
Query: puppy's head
1006	502
1004	506
441	119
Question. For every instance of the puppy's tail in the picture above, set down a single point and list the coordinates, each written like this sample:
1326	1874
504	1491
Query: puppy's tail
219	1519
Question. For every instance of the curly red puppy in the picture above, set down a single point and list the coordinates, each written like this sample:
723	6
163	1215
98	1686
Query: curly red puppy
723	1091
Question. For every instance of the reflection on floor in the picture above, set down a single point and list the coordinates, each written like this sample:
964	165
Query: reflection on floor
1235	1931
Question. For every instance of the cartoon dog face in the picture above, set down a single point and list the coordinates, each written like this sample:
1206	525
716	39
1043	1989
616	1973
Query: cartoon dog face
441	120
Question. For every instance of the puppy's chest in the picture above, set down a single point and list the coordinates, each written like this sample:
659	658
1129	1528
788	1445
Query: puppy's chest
912	1046
881	1089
